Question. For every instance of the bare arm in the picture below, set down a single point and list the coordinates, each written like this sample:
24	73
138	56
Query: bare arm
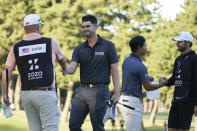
72	67
10	66
149	87
195	111
62	63
5	83
116	81
59	55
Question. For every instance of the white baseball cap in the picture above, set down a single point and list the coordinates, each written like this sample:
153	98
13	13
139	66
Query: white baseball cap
184	36
32	19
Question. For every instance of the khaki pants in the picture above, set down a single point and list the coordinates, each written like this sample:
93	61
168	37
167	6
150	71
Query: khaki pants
132	118
41	108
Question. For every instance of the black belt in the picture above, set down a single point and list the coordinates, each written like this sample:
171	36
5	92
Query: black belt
92	85
130	95
34	89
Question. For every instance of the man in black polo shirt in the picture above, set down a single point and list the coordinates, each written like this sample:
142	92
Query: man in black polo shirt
184	77
97	58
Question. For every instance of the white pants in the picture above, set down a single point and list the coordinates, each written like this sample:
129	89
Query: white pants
132	118
42	111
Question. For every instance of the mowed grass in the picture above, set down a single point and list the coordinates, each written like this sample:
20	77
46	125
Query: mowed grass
18	122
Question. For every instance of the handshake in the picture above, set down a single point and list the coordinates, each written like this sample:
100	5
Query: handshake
163	81
70	69
64	73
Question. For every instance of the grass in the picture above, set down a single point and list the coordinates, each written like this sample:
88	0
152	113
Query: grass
19	123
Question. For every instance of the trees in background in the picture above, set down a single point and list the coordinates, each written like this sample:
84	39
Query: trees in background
119	21
163	51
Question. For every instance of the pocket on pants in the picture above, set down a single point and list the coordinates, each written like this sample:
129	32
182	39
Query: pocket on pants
102	95
103	92
55	98
132	102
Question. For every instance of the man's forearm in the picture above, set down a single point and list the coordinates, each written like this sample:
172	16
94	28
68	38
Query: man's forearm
116	80
170	81
5	81
62	63
71	68
6	75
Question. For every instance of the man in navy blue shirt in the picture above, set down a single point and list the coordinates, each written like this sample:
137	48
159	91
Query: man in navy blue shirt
134	75
97	58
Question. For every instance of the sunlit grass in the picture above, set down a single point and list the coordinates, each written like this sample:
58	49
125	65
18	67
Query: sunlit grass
19	123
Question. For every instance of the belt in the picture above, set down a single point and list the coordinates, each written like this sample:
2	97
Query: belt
133	96
34	89
130	95
92	85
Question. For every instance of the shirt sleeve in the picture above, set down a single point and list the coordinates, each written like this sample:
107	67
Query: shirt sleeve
11	60
75	55
194	76
113	56
171	80
143	74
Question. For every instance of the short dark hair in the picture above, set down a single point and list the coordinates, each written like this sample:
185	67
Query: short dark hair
90	18
135	42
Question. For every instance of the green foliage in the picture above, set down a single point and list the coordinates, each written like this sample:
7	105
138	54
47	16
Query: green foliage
163	51
10	25
119	21
62	20
10	124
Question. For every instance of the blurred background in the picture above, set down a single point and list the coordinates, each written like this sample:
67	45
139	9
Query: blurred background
119	20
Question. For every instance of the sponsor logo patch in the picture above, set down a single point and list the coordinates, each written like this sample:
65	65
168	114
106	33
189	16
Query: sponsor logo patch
99	53
32	49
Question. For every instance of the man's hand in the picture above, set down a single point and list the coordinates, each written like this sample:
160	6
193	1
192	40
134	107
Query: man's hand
115	97
195	110
64	73
163	81
151	78
6	100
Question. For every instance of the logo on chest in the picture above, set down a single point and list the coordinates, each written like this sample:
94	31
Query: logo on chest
99	53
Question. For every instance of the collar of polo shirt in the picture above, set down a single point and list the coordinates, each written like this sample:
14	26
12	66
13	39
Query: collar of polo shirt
99	42
136	56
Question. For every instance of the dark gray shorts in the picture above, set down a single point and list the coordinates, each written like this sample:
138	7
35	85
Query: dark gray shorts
180	115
